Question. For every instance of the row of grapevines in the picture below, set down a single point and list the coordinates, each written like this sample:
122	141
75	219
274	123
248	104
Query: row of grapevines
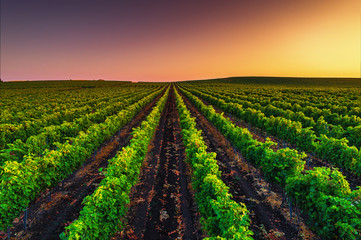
349	117
334	100
29	107
333	150
353	134
104	209
11	132
51	135
320	126
221	216
323	193
43	102
22	182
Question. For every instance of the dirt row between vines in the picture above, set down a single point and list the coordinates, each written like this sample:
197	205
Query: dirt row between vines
162	203
269	220
311	160
57	207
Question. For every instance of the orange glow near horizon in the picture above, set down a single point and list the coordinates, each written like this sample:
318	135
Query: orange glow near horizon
306	39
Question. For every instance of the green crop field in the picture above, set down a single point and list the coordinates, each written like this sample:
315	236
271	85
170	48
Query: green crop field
232	158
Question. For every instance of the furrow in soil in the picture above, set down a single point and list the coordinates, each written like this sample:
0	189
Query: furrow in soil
162	205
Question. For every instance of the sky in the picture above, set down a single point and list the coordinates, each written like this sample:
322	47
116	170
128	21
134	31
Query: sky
163	40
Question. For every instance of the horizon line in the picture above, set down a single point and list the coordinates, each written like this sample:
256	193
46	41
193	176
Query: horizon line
201	79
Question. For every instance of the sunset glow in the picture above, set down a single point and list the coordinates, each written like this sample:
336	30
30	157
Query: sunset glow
179	40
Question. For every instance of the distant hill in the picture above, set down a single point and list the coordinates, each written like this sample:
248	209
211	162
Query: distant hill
289	81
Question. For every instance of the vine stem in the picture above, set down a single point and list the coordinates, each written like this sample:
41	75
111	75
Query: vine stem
25	217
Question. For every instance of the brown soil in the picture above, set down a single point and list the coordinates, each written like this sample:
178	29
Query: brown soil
162	205
57	207
269	220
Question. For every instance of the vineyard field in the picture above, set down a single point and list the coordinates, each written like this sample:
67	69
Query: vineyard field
236	158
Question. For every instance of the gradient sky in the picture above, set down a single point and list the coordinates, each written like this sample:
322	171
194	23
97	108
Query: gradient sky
163	40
